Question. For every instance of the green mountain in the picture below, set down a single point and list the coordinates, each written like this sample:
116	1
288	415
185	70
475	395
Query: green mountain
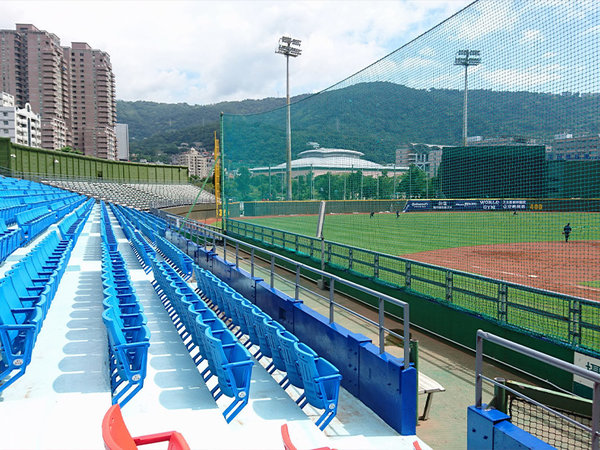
374	118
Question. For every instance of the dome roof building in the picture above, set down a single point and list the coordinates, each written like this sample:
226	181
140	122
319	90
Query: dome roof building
320	161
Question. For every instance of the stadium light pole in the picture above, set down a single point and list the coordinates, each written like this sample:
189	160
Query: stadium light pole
288	47
466	58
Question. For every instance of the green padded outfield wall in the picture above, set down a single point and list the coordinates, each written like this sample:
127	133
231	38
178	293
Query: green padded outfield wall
18	160
494	172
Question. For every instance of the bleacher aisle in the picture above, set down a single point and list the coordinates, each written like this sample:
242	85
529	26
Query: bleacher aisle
64	393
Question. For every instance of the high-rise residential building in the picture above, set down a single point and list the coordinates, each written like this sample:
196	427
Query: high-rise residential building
93	100
122	133
199	164
73	88
34	70
20	125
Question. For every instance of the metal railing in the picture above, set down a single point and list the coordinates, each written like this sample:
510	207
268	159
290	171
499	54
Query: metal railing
566	319
482	336
210	236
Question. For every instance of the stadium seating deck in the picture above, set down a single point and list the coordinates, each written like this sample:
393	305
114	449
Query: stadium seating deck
67	382
140	196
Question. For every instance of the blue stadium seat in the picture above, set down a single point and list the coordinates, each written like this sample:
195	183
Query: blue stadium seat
321	382
10	240
226	358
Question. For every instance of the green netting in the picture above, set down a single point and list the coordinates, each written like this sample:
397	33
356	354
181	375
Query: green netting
385	149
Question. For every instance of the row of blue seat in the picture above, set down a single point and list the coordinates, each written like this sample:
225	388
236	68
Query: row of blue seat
141	248
26	293
33	221
226	357
150	225
71	226
13	204
128	335
65	205
106	232
181	260
304	369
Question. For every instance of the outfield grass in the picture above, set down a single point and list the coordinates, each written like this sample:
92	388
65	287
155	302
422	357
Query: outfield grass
417	232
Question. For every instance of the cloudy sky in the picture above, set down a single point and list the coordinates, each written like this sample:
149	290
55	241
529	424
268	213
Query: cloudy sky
202	52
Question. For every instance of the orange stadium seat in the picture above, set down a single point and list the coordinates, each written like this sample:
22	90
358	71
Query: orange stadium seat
287	442
116	435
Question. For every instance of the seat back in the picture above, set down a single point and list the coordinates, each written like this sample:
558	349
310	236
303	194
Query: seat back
274	343
114	432
288	351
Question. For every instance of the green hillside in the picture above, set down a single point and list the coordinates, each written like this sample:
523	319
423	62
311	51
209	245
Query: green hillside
375	118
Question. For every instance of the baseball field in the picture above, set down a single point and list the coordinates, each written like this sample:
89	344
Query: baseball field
526	248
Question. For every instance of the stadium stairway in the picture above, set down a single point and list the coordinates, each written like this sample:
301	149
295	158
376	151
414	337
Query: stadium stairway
66	388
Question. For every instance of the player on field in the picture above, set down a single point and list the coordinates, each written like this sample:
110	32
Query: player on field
567	231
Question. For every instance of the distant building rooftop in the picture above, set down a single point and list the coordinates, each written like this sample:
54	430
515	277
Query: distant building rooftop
323	160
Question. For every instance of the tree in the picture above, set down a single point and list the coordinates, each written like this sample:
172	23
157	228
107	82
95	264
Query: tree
413	183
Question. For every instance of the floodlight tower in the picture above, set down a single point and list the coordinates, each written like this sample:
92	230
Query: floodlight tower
288	47
466	58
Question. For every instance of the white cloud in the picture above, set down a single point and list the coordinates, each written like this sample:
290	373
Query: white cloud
209	51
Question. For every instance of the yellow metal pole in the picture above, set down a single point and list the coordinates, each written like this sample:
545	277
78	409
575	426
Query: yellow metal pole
218	203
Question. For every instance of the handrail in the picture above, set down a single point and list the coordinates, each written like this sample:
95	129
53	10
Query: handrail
382	298
550	360
475	276
500	297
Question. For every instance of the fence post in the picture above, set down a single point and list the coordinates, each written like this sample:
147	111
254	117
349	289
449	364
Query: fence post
407	274
502	302
376	265
225	249
575	322
237	254
350	258
296	243
272	271
449	282
252	262
500	395
331	305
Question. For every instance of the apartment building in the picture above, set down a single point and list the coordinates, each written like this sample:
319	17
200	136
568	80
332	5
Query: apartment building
33	70
199	164
93	100
20	125
73	88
